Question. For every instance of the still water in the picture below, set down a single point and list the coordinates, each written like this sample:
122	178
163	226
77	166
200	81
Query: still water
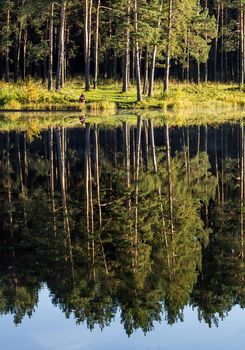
127	237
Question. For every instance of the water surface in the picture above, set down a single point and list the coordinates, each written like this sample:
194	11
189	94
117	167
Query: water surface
128	236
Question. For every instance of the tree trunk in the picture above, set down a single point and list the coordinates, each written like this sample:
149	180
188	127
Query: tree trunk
137	53
241	75
168	50
61	47
146	74
126	59
87	41
7	45
96	59
51	47
153	59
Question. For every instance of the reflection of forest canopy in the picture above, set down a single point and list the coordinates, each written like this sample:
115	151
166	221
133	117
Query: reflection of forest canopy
124	215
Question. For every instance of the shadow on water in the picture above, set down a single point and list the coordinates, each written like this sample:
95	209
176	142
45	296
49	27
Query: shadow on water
141	219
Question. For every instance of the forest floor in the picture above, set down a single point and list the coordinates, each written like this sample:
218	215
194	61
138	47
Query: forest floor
108	97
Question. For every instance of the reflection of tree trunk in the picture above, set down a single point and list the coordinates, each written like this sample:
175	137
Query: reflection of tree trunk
170	185
153	148
10	205
97	174
61	159
51	158
185	154
206	176
87	154
25	160
242	191
222	168
137	168
146	141
164	227
19	162
216	165
127	158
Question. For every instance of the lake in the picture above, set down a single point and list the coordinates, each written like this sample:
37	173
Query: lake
122	236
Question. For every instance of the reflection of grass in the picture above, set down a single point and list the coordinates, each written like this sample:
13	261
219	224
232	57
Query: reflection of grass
34	96
34	122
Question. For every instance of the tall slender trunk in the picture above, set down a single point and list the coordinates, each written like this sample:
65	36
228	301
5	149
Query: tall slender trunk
241	75
216	43
96	59
51	47
87	41
7	44
126	58
61	47
222	43
168	50
137	53
24	53
153	58
206	63
146	73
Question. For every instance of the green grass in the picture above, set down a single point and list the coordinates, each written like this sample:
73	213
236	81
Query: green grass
33	95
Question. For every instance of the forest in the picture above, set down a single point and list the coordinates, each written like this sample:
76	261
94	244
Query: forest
129	41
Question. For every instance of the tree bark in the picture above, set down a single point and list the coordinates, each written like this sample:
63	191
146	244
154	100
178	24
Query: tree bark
168	50
137	53
61	47
126	58
51	47
96	59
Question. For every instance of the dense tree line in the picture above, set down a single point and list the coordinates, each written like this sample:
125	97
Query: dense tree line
131	40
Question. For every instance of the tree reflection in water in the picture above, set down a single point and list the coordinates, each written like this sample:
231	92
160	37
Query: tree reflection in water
138	219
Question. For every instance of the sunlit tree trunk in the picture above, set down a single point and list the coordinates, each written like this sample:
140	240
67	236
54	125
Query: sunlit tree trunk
51	46
137	53
96	63
168	49
7	44
61	47
153	58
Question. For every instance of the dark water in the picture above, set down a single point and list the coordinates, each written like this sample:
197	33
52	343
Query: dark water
112	239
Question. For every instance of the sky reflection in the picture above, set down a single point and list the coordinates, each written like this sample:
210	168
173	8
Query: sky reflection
48	329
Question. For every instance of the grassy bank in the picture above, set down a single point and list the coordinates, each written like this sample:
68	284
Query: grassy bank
108	97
